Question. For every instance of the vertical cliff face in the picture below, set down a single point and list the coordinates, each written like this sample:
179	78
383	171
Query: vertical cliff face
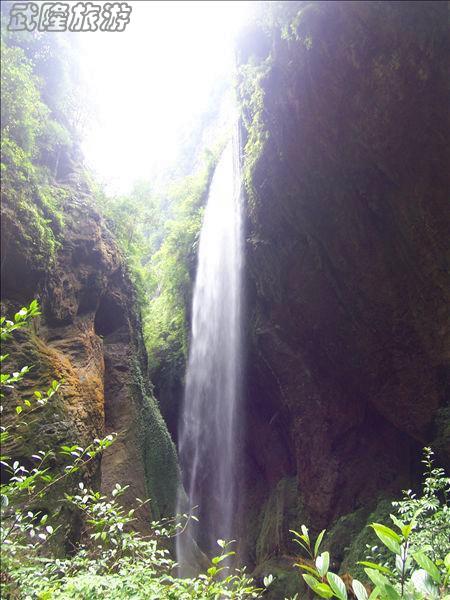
89	336
346	129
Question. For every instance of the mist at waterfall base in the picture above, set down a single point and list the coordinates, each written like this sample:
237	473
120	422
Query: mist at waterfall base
209	429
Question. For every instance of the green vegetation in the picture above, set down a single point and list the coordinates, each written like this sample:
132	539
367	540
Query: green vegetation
430	512
43	112
360	538
251	92
159	454
272	21
42	117
110	558
23	113
172	271
415	558
38	136
29	137
158	235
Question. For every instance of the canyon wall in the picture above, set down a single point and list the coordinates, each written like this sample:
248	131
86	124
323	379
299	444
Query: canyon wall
345	134
89	337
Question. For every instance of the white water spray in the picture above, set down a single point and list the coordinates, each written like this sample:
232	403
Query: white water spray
210	419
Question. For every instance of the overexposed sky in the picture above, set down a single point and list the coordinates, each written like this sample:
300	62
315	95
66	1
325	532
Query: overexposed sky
150	81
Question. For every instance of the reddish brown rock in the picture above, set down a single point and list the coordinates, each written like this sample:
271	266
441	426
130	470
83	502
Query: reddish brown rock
89	337
347	253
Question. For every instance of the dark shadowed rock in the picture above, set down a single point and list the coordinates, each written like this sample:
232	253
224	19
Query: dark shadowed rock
346	169
89	336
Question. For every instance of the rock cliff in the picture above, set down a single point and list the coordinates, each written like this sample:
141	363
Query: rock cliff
89	336
345	129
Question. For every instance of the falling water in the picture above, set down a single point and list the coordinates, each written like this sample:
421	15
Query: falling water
209	424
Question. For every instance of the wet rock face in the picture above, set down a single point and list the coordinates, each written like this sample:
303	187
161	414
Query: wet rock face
347	255
89	336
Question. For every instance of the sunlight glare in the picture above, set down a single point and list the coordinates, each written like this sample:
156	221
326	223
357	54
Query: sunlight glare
151	80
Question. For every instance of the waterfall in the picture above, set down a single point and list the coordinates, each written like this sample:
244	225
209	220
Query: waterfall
210	418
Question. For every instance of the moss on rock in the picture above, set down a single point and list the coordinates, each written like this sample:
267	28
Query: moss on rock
160	460
279	514
287	580
365	540
342	534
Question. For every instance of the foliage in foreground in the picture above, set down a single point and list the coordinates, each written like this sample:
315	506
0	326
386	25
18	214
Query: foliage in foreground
417	565
110	560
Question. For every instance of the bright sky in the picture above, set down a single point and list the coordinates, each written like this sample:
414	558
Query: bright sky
150	80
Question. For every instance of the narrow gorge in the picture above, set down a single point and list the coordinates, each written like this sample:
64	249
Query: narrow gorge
256	328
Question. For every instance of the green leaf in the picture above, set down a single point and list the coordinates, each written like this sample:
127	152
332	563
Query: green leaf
426	563
322	563
378	527
304	546
318	542
405	528
308	569
321	589
311	581
391	593
397	521
359	589
373	565
386	590
377	578
19	409
389	538
375	593
217	559
337	585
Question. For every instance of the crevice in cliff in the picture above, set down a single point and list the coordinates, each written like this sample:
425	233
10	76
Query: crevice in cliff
109	317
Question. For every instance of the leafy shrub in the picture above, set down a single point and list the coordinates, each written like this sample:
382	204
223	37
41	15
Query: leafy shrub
430	511
111	560
419	549
32	142
158	235
22	112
